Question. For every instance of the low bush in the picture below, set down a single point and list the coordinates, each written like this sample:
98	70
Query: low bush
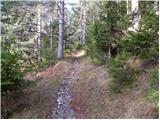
48	57
78	46
153	89
154	78
11	74
141	44
11	77
122	74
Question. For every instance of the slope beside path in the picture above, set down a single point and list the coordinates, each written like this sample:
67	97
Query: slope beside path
77	88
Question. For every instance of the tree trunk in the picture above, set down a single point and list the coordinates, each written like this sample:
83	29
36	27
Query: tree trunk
82	22
51	39
81	26
127	6
156	7
109	51
39	34
60	52
135	20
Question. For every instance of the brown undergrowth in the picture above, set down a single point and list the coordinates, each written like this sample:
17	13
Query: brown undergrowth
94	99
38	100
92	96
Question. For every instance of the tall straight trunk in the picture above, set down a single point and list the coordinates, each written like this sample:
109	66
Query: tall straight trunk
117	1
39	34
81	25
51	39
60	51
127	7
156	7
109	51
135	20
84	23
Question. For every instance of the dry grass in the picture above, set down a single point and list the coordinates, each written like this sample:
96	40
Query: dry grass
92	95
135	101
91	90
39	100
94	99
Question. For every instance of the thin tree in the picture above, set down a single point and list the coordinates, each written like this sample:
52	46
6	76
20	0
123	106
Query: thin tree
51	30
82	22
135	20
60	51
127	6
39	33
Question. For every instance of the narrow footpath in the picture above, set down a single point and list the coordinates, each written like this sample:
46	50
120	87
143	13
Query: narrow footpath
63	109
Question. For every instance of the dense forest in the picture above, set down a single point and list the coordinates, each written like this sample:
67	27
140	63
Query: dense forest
80	59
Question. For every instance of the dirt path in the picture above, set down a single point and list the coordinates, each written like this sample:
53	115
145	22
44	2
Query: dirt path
86	94
63	109
77	88
38	100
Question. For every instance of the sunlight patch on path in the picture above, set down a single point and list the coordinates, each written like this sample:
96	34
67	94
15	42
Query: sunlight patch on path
79	53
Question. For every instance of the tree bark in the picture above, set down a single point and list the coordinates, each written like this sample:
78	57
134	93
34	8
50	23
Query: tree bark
39	34
135	20
127	6
60	52
156	7
81	26
51	39
109	51
82	22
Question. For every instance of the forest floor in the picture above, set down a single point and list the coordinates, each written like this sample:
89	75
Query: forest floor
77	88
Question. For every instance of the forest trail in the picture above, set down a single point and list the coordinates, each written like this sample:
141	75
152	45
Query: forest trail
80	59
77	88
63	109
85	92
